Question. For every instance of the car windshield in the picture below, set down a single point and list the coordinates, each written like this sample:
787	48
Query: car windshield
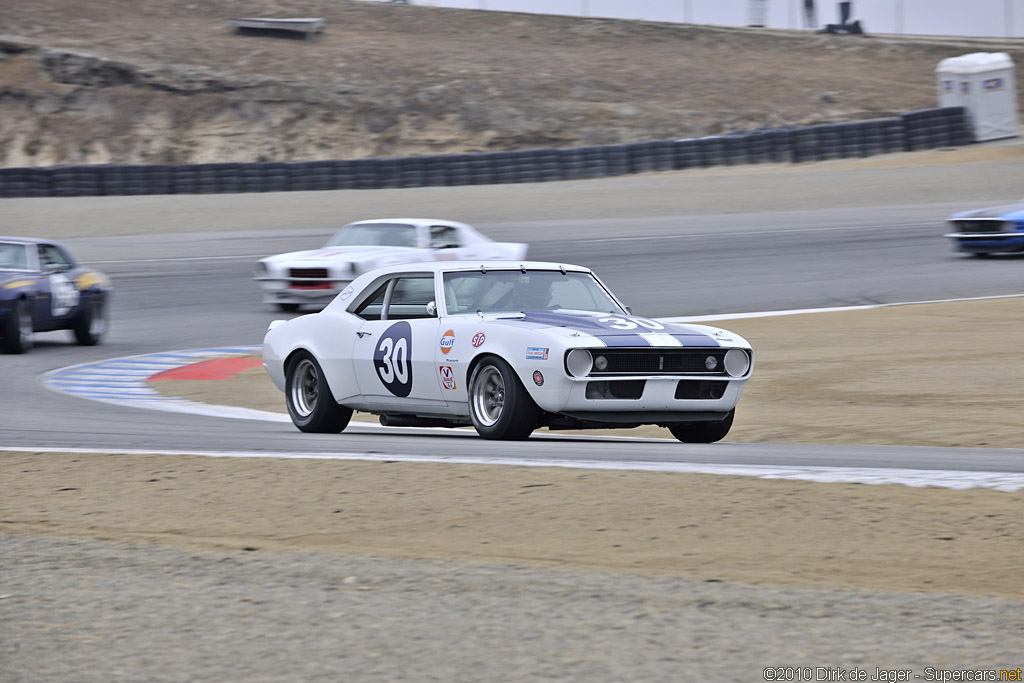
13	256
375	234
508	291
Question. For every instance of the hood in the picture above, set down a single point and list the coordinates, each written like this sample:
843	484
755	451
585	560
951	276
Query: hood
1007	212
597	329
329	255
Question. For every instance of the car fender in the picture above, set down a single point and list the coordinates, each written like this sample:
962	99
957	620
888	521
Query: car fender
329	337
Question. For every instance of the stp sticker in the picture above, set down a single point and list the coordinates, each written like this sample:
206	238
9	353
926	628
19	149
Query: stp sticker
538	378
447	342
447	377
478	339
536	353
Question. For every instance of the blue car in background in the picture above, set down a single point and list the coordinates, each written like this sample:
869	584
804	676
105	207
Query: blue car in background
43	288
988	231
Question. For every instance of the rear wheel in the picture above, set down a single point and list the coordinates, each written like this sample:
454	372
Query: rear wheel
310	403
499	405
91	324
17	337
702	432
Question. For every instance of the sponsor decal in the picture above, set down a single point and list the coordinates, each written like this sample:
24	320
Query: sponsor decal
965	87
63	295
947	86
536	353
992	83
391	359
538	378
447	377
447	342
346	293
15	284
478	340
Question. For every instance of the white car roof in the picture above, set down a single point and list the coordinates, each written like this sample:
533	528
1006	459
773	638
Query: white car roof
451	266
413	221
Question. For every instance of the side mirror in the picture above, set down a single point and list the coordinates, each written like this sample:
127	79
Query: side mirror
432	309
629	309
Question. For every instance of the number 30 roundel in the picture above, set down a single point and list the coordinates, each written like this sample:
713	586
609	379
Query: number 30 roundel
391	359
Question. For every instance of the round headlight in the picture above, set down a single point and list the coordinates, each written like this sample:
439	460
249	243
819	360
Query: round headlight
579	362
737	362
711	362
261	269
601	363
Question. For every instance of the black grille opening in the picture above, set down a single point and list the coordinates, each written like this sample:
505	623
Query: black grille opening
700	389
319	273
659	361
631	389
980	226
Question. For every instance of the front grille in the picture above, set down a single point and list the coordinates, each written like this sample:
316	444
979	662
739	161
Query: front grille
312	273
658	361
976	226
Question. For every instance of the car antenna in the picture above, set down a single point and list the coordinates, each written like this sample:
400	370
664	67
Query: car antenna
483	269
561	268
522	268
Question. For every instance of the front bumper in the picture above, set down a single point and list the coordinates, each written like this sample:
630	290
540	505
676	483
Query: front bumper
288	291
987	242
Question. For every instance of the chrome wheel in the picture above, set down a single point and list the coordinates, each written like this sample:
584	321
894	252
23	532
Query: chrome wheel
98	324
304	387
488	395
24	327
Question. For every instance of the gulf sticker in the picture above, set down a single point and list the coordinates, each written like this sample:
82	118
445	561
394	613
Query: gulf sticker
992	84
447	377
447	341
478	340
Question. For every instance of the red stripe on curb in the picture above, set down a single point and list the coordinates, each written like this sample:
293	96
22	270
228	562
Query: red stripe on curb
216	368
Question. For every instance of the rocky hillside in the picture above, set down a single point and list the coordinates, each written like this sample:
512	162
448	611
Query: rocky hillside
167	81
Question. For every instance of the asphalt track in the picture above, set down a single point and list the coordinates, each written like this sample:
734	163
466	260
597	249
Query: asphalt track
179	290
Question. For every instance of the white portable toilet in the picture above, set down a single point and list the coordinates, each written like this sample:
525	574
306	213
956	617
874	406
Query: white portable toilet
983	83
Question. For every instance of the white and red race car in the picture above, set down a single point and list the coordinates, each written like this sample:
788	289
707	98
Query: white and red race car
316	276
505	347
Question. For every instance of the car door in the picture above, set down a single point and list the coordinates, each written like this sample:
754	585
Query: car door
59	296
393	357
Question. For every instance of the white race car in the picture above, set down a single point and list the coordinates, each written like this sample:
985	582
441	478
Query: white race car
316	276
506	347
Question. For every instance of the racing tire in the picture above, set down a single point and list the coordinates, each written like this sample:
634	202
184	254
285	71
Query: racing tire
702	432
310	402
499	405
17	333
91	323
287	308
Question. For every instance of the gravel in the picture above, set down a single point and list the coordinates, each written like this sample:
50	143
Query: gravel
93	611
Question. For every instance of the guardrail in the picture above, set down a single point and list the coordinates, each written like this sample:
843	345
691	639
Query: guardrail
915	130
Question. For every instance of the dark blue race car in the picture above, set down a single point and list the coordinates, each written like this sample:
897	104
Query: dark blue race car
43	288
988	231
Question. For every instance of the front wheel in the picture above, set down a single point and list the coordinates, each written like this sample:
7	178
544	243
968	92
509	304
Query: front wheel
287	308
499	406
702	432
17	337
91	324
310	403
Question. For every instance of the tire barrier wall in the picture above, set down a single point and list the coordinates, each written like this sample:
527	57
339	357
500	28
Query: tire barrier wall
915	130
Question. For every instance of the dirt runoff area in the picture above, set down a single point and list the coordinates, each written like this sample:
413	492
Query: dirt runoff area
816	380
